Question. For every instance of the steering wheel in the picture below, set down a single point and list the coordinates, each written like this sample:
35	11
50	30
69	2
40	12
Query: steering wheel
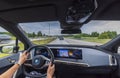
39	61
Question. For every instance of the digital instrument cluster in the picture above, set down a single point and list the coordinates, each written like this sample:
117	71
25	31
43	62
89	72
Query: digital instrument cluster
61	53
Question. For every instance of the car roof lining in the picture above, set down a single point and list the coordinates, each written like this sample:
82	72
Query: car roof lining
53	10
110	11
30	14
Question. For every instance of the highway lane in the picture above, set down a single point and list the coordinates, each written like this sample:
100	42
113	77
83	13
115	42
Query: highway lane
73	41
57	41
66	41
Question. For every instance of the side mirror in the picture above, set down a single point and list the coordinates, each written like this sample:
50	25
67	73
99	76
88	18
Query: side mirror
7	49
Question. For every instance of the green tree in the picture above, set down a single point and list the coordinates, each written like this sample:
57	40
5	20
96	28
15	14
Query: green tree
33	35
103	36
85	35
108	35
39	34
29	35
78	36
112	34
94	34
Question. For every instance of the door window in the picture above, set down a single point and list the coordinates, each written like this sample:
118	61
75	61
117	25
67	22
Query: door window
8	43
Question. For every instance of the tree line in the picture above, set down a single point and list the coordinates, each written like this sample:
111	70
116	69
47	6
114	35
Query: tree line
103	35
33	34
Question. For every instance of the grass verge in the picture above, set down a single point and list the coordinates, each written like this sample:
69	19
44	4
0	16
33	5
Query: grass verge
95	39
43	42
92	39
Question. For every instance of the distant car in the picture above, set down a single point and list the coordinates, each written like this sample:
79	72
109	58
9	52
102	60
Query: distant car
61	38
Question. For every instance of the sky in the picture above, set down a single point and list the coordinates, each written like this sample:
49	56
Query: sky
2	30
101	26
92	26
49	28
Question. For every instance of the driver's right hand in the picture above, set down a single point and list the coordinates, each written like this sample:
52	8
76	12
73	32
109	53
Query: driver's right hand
50	70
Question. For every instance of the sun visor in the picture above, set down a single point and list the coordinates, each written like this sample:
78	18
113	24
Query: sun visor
34	14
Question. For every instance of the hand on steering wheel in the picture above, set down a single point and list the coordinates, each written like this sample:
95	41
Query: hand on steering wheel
23	57
50	71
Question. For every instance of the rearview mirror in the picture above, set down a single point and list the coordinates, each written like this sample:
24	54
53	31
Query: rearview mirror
74	31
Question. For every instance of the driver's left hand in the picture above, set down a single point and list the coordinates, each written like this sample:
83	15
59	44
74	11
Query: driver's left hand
23	57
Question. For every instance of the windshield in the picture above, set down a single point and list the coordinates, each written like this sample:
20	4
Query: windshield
93	33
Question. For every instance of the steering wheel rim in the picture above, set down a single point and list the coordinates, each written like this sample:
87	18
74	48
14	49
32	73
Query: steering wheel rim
51	60
48	49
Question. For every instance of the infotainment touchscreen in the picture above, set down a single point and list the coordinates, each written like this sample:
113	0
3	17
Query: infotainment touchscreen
70	53
63	53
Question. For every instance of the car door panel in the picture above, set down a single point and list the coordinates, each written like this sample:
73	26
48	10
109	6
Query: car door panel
7	62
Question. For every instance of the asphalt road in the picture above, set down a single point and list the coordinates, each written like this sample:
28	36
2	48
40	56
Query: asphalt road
73	41
66	41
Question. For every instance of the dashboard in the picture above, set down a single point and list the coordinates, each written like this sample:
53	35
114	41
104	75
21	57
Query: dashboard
74	59
87	57
61	53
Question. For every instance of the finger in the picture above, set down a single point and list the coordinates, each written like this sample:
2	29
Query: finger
24	53
50	64
53	66
27	54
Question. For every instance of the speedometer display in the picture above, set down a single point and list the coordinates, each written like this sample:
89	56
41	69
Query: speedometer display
41	51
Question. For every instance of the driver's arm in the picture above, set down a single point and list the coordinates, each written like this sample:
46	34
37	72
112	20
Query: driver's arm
50	71
9	73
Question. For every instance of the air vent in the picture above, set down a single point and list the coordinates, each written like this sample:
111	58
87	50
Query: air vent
112	60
